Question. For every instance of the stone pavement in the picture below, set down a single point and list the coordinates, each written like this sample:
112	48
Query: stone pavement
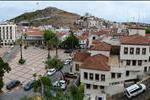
34	64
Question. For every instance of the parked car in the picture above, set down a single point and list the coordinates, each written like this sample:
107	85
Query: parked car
51	71
134	90
69	75
29	85
66	62
61	84
12	84
68	51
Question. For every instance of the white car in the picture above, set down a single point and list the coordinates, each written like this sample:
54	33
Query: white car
134	90
66	62
61	83
51	71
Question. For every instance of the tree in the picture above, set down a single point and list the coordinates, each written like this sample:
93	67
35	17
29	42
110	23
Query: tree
56	44
49	37
76	93
71	42
4	67
55	63
21	60
147	31
43	85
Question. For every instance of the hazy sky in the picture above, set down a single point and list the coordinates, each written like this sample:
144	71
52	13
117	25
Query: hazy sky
111	10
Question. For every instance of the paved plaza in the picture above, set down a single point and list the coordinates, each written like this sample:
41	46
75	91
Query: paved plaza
35	58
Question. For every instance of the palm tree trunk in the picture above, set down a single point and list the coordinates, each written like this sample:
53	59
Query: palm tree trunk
56	52
20	51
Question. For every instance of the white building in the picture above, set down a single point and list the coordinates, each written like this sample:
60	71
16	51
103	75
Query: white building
7	33
136	30
105	73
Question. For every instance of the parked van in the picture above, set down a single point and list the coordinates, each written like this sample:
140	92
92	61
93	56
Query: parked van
134	90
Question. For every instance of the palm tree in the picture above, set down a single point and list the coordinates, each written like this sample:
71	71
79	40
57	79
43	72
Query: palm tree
49	37
76	93
55	63
21	60
56	44
43	85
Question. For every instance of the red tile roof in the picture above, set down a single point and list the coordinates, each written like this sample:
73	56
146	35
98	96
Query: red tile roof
100	46
81	56
34	32
136	27
96	62
135	40
101	32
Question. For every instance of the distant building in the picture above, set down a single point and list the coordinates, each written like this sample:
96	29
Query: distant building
7	33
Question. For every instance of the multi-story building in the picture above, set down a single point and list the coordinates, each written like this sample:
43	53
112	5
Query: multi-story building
7	34
107	70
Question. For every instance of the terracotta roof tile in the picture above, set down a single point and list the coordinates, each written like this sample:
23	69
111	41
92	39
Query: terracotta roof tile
96	62
34	32
81	56
135	40
100	46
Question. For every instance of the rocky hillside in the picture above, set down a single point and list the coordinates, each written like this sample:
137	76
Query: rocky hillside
50	15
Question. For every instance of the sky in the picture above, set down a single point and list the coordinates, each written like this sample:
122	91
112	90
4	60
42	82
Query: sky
120	11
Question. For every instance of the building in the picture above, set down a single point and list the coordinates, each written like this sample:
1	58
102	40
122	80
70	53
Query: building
133	30
110	68
7	33
34	36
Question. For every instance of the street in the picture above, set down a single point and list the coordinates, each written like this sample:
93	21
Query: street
142	96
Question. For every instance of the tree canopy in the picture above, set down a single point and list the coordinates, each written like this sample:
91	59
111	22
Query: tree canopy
4	67
54	63
71	42
148	30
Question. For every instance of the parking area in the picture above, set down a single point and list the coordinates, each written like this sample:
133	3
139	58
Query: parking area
35	58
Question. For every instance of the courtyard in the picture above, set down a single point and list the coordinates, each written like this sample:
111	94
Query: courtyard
35	58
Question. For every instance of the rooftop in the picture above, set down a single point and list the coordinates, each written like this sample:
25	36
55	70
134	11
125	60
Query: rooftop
135	40
100	46
96	62
81	56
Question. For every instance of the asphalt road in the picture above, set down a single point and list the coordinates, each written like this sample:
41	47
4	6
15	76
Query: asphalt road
143	96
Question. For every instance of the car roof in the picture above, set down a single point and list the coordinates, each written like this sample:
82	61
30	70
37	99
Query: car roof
132	87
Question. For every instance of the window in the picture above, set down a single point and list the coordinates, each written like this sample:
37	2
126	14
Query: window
139	62
88	86
137	51
91	76
77	67
85	75
145	69
128	62
96	76
131	50
127	73
118	75
101	87
125	50
134	62
144	51
149	59
95	86
102	77
112	75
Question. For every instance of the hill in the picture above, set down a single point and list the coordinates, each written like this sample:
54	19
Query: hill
50	15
